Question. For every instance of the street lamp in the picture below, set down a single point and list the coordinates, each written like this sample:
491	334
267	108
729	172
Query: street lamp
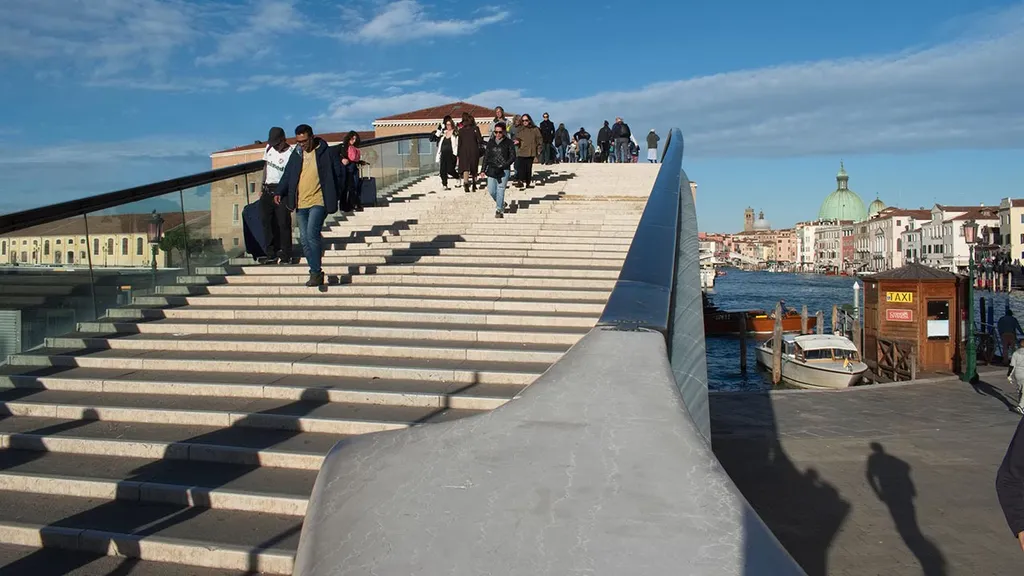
155	233
971	237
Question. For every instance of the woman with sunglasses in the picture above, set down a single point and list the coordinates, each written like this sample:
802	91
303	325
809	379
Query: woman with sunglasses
530	141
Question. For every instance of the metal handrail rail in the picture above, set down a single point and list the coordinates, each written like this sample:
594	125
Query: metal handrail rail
643	294
52	213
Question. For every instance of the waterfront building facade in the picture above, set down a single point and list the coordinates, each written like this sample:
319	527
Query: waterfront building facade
1011	227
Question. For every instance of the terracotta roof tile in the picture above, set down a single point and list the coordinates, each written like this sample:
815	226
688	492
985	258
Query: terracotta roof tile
979	213
453	109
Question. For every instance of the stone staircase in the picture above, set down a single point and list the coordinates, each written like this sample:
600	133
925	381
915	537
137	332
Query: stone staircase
185	431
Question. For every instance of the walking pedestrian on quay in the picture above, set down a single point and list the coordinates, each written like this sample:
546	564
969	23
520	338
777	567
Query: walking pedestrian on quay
1015	374
1009	328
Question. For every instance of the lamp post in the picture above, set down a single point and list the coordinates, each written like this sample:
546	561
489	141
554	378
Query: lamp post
971	237
155	233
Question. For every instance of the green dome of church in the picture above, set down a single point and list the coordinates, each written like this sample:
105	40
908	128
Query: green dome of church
875	207
843	204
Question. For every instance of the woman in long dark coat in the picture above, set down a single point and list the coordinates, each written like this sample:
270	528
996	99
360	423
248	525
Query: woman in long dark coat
470	144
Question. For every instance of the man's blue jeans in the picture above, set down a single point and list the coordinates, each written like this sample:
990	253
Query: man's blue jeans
622	154
311	224
561	153
496	188
584	146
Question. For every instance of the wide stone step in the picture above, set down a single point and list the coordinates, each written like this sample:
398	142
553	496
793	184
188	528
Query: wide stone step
442	229
385	254
341	300
224	539
517	248
596	242
28	560
337	272
301	415
439	281
377	391
565	336
430	316
196	442
222	486
464	371
424	291
388	347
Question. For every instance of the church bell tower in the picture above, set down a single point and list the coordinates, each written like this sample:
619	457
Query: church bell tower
748	220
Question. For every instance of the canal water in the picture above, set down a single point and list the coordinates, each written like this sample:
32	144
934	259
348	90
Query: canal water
739	290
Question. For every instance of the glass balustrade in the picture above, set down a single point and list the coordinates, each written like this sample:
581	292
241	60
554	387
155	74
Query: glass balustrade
72	269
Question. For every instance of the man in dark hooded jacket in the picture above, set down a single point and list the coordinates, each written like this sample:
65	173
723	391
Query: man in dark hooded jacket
604	139
310	185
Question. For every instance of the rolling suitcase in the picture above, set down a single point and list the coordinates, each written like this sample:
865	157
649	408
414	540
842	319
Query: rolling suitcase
252	230
368	191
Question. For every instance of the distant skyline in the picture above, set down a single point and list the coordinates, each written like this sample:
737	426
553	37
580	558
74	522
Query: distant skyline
922	100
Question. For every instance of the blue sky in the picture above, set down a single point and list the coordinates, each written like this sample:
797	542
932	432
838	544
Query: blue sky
922	99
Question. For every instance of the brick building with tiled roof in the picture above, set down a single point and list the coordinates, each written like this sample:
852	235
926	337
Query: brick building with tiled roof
427	119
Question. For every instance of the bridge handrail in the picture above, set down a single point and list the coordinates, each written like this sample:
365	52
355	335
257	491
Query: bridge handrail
597	466
16	221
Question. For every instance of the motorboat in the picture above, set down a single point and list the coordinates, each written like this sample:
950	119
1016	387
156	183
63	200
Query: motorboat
725	323
817	361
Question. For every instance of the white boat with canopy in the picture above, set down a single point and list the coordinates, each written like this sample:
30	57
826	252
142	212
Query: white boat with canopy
820	361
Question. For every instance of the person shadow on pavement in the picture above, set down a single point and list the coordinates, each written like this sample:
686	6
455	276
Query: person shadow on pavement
889	477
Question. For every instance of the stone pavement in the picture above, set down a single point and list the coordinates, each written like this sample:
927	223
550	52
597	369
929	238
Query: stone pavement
807	461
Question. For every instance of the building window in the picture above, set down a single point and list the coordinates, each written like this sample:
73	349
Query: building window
58	241
234	241
46	247
234	213
1022	218
403	150
57	257
71	257
83	257
124	246
138	246
71	241
95	246
252	188
236	188
24	256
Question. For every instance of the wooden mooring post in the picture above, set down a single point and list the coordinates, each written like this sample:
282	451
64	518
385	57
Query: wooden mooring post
803	320
835	318
858	338
741	329
821	322
777	346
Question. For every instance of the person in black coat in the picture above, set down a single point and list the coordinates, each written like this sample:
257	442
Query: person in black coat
547	132
1010	485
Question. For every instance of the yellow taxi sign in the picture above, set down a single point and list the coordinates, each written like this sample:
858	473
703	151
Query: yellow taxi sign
900	297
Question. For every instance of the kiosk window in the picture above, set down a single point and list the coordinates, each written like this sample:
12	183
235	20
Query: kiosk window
938	320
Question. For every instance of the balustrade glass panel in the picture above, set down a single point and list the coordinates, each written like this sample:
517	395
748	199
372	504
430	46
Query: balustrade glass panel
46	283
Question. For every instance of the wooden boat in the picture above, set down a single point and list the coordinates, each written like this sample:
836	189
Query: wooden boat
819	361
724	323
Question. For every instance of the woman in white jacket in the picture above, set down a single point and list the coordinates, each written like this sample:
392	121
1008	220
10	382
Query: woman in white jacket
447	136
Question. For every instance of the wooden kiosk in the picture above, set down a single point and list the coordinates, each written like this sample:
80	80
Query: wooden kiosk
912	321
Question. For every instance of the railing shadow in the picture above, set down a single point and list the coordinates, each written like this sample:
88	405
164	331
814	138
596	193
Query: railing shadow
802	509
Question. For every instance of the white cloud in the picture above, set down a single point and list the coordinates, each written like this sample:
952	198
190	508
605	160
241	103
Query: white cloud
154	147
961	94
105	36
253	39
407	20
